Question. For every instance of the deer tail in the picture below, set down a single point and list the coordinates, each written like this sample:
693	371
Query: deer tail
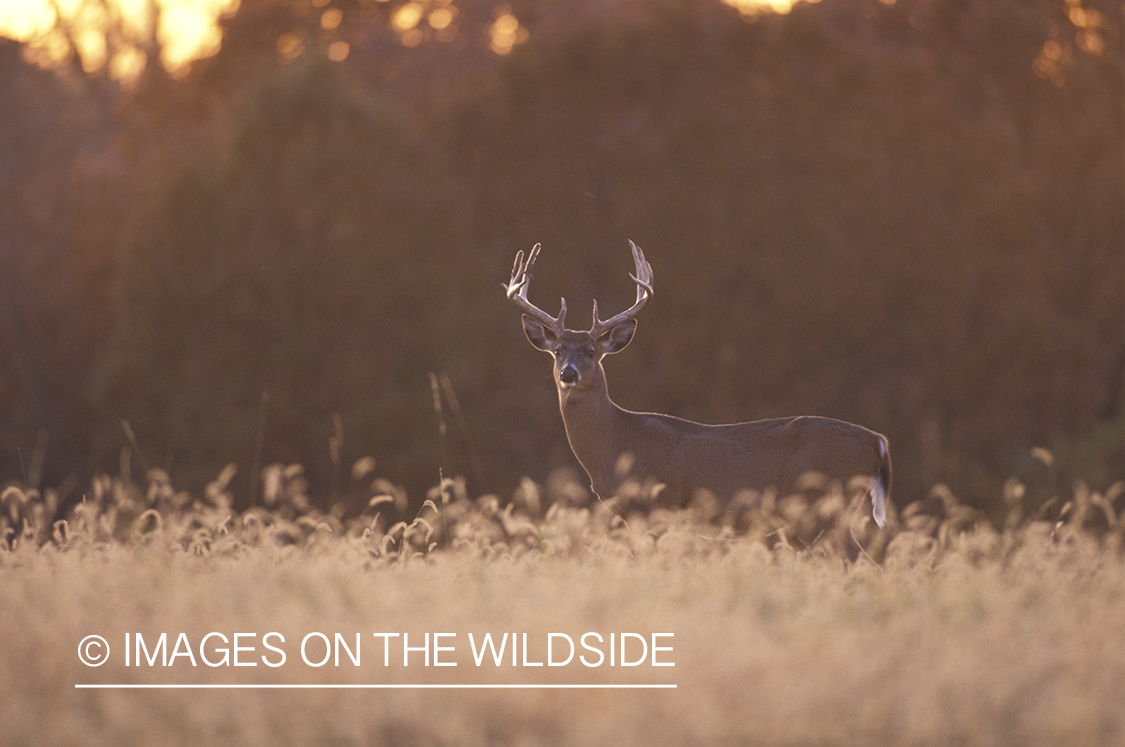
881	484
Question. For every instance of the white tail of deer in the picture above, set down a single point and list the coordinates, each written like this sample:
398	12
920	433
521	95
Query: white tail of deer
685	457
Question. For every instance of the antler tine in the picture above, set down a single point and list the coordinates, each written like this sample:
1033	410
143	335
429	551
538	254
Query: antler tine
516	289
643	279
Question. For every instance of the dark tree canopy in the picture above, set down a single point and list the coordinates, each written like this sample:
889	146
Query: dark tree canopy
905	214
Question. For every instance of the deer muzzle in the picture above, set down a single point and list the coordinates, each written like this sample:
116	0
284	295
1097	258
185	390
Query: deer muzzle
568	377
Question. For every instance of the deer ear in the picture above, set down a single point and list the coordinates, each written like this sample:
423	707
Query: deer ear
617	337
539	336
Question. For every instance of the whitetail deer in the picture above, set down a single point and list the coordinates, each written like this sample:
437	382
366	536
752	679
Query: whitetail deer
615	445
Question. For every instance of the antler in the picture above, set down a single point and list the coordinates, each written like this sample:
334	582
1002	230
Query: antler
643	279
517	292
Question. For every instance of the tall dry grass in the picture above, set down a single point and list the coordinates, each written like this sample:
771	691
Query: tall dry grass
944	631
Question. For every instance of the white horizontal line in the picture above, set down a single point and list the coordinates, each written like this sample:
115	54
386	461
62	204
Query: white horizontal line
372	686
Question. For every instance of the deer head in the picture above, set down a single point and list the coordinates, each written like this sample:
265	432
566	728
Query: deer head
577	355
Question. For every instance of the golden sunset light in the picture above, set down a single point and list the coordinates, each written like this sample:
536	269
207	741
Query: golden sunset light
289	456
185	30
752	7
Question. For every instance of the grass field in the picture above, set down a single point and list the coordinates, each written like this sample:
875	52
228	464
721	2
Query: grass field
943	631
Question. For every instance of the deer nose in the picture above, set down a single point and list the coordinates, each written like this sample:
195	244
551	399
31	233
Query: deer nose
568	376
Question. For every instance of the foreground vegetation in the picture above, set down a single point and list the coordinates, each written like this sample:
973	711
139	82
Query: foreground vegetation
943	630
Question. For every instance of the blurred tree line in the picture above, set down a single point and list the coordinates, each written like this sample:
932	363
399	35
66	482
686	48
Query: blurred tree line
905	214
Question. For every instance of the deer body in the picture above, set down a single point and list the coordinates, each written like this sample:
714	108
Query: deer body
688	457
615	445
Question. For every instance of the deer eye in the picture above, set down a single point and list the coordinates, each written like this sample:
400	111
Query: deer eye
589	354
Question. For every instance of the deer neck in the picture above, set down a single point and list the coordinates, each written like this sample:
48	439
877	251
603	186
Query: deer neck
591	420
